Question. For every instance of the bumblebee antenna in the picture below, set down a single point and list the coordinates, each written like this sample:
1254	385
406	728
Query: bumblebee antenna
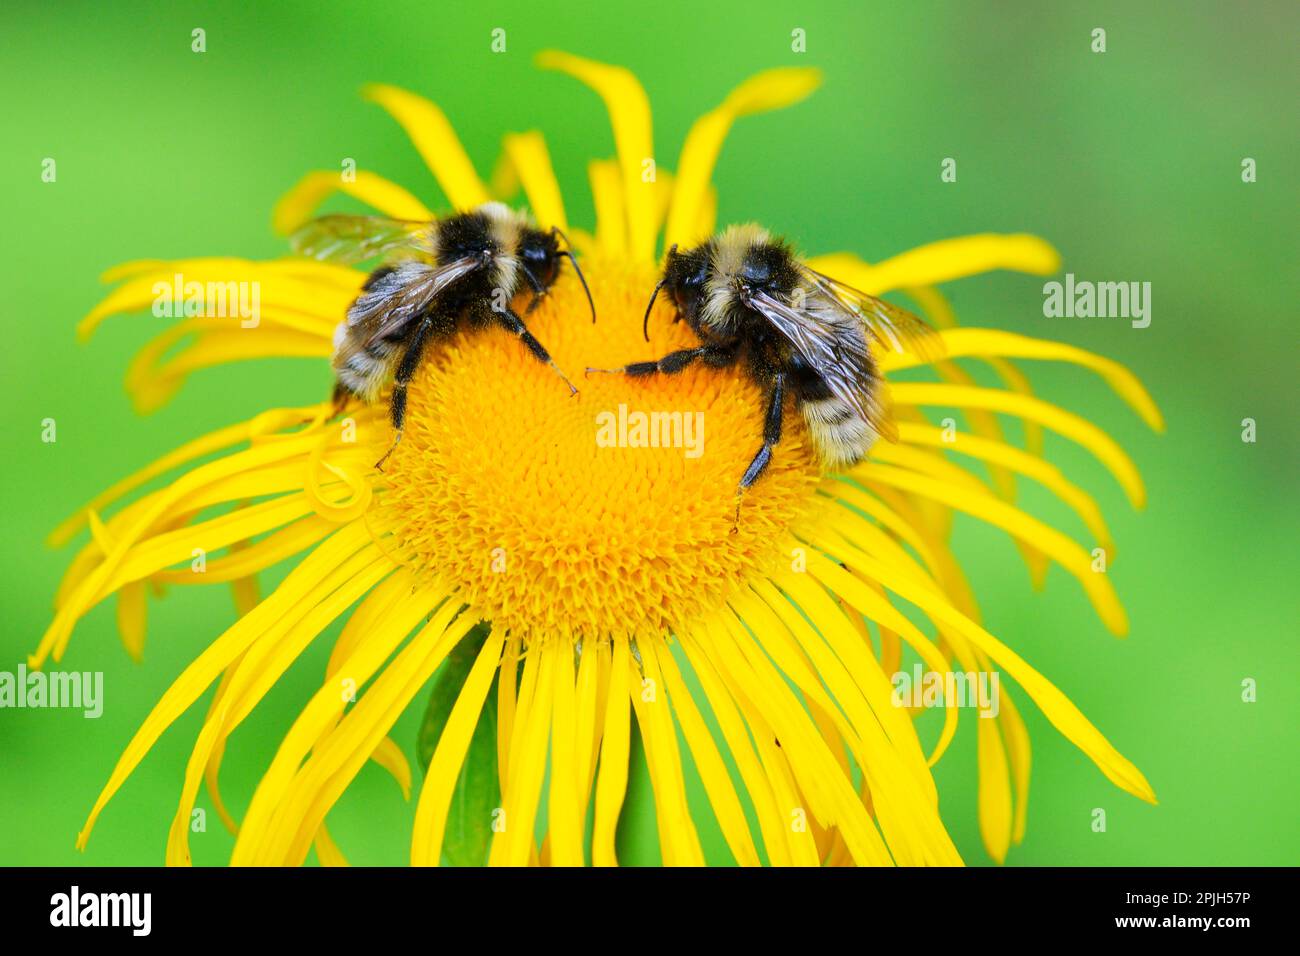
645	325
569	255
556	231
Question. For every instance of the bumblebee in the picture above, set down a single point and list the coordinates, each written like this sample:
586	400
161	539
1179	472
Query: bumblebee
436	274
751	299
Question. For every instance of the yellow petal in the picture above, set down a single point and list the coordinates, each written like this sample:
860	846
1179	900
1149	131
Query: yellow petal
132	618
927	462
239	565
150	388
507	688
677	834
1016	736
370	613
162	550
99	533
708	761
888	519
986	424
1015	522
992	342
389	756
319	304
453	744
190	451
327	851
436	142
322	712
1072	426
771	821
344	751
260	668
868	601
245	593
994	790
521	698
707	219
792	806
132	558
1022	463
530	158
587	725
845	663
886	772
203	671
1058	708
611	218
504	181
830	796
212	773
903	791
611	780
940	313
299	203
769	90
629	115
565	816
513	845
943	261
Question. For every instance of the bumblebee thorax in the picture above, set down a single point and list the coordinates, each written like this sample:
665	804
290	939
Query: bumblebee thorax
746	261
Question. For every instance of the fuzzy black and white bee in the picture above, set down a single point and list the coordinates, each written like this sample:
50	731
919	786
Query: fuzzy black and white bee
750	298
434	276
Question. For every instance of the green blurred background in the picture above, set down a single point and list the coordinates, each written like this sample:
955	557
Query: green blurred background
1129	161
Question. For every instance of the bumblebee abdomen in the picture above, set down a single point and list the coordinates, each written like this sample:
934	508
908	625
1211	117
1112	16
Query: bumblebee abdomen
841	436
362	369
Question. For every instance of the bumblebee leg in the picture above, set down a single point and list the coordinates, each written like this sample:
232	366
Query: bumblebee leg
515	325
674	362
405	371
771	435
340	397
539	290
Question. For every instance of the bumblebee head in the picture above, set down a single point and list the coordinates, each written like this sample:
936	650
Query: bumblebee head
685	274
746	264
540	254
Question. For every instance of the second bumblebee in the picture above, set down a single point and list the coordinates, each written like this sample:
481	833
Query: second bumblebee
751	299
435	273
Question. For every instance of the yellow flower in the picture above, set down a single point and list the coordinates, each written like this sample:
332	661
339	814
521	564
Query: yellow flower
616	581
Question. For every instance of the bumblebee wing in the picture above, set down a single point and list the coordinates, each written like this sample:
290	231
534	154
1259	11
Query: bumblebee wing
351	239
893	327
835	348
394	298
814	342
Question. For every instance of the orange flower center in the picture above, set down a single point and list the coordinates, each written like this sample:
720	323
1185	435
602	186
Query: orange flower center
612	511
